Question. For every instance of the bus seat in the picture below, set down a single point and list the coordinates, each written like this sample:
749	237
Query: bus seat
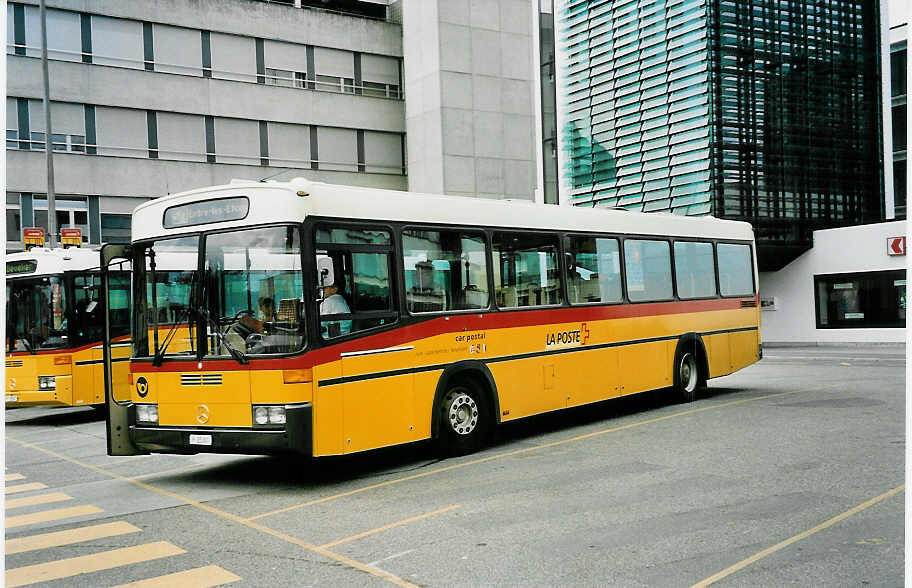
288	310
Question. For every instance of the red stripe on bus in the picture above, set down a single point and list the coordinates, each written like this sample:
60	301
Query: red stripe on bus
450	324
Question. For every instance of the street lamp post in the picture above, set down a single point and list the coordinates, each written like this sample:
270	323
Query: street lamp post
48	142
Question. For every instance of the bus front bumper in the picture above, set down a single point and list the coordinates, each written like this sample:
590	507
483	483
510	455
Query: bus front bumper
296	437
60	395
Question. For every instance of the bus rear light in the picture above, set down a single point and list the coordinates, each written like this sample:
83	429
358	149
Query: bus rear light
297	376
63	360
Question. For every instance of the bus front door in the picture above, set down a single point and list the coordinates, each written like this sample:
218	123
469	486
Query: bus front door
117	398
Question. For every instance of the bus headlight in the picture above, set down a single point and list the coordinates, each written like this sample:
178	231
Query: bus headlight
276	415
269	415
47	382
147	413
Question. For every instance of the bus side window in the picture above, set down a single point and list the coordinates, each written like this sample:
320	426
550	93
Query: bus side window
361	296
594	270
526	272
444	270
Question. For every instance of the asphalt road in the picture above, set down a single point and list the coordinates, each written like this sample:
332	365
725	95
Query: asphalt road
789	472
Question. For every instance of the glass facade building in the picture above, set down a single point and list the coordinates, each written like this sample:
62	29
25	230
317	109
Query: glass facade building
765	111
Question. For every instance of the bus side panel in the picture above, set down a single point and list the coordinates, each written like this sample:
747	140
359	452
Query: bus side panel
744	347
378	411
719	351
327	410
645	366
522	390
84	376
425	386
590	376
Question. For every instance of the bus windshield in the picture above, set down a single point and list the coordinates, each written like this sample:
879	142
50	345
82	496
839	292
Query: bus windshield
165	276
253	291
36	314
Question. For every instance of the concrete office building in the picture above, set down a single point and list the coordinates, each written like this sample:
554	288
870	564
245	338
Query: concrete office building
160	96
155	97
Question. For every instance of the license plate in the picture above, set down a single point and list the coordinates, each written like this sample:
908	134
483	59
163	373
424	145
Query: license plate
12	398
200	439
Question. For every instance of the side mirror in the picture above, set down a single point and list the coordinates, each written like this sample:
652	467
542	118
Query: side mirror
325	271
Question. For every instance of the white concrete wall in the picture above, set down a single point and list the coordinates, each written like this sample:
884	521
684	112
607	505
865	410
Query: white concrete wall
469	85
845	250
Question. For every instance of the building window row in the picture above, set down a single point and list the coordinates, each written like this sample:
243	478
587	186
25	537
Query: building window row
117	42
126	132
73	211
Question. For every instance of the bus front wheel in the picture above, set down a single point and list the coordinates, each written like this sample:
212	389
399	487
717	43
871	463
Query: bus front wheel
464	419
686	374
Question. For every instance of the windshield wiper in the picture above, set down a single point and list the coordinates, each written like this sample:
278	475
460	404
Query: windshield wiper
235	353
160	352
239	356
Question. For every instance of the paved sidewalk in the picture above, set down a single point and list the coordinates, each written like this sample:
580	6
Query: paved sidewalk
851	354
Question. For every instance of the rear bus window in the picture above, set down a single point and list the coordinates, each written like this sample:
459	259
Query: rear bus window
694	269
736	276
525	270
444	270
648	265
594	272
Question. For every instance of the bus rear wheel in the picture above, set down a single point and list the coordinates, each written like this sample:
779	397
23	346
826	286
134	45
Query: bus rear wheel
464	420
686	374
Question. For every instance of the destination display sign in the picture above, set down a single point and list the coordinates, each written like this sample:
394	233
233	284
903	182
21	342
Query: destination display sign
206	212
21	267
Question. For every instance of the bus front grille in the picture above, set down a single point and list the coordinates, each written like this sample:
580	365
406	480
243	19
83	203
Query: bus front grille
201	379
13	363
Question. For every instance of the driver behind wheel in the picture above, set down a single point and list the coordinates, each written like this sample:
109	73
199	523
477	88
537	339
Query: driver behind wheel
267	314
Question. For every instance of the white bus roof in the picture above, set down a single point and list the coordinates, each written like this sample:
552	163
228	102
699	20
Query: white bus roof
55	261
277	202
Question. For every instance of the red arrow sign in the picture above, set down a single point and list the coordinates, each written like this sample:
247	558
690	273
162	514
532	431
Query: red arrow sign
896	246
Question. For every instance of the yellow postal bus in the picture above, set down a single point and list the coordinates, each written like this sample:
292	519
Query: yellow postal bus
328	320
54	317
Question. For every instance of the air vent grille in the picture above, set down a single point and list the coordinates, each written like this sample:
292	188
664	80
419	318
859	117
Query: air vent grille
201	379
13	363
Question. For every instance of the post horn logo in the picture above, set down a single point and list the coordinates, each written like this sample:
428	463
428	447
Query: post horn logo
142	387
202	414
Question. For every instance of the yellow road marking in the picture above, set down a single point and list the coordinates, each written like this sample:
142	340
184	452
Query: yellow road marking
229	516
828	523
390	526
51	515
39	499
86	564
58	538
25	487
515	452
195	578
12	477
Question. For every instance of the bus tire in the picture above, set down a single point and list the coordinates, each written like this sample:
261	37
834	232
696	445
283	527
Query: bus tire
464	417
687	372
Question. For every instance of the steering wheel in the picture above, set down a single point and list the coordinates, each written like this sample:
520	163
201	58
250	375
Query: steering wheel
239	326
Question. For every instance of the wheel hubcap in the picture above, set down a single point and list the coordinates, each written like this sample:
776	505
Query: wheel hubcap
462	412
688	372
